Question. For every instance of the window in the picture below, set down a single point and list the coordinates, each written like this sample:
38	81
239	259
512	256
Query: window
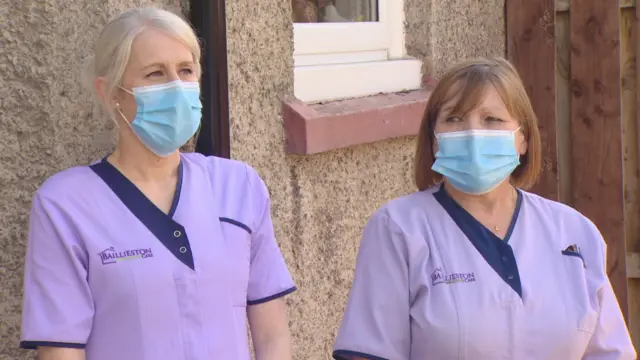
350	48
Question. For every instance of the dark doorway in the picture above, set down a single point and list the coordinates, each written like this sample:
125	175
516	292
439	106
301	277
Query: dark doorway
209	19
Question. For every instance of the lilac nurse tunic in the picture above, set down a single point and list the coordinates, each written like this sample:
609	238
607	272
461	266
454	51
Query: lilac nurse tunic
108	271
432	283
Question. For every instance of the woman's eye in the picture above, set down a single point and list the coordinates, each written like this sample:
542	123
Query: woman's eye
452	119
187	71
491	118
155	73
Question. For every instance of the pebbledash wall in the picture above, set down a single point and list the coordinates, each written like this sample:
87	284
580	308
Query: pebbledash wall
320	202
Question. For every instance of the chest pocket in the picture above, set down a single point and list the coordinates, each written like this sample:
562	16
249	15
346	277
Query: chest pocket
582	301
237	237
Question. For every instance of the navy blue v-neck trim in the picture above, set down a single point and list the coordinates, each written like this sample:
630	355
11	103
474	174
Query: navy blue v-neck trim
495	251
170	233
176	194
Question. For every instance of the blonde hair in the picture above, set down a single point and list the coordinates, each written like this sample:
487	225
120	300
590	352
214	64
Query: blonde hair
113	47
469	79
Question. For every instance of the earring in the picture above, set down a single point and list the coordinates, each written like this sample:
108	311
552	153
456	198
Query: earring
115	120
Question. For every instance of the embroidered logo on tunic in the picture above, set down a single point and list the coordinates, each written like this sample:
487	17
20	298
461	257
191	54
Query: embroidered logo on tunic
439	277
111	256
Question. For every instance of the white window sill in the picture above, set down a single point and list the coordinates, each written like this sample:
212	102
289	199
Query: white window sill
342	81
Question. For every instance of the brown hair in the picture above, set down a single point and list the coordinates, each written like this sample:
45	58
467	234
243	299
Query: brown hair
469	79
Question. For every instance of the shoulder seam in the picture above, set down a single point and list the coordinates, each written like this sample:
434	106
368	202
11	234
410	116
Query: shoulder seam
250	184
396	228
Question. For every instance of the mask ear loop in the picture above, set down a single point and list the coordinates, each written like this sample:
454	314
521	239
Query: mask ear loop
120	111
124	118
514	139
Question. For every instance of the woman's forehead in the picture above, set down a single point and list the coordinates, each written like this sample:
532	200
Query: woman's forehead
463	99
154	46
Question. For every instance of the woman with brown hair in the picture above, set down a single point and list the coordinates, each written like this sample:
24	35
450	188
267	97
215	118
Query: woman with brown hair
476	267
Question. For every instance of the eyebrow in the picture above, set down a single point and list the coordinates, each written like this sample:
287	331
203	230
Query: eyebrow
489	108
446	111
158	64
493	110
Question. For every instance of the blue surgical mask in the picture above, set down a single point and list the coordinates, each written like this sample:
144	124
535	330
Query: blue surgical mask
476	161
168	115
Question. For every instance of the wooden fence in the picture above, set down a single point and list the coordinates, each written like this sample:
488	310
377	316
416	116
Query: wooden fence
578	59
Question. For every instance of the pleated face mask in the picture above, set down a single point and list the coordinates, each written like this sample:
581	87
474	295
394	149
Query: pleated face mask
476	161
168	115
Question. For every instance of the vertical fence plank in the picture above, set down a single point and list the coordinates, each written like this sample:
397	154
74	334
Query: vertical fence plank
563	103
629	51
638	76
531	48
637	38
596	128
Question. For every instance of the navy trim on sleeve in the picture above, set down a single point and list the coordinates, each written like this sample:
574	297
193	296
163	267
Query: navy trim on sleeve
236	223
272	297
33	345
342	355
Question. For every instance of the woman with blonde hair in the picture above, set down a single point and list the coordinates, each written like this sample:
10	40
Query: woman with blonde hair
153	254
476	267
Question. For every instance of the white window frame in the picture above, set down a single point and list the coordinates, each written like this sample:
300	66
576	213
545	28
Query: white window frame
354	59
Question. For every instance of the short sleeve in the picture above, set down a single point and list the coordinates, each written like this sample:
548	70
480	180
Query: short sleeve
269	277
376	322
57	308
611	339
